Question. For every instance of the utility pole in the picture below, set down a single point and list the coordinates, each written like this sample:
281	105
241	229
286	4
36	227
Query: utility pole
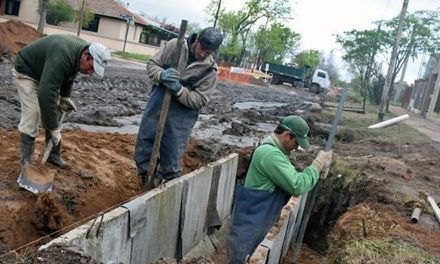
386	86
129	20
81	17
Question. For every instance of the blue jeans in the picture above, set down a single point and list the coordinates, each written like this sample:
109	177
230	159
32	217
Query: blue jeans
178	127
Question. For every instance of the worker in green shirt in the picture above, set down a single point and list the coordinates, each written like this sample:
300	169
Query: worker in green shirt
269	183
44	71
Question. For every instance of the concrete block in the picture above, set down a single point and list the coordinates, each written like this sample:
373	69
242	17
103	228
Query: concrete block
260	255
159	237
276	237
105	240
195	196
226	184
294	206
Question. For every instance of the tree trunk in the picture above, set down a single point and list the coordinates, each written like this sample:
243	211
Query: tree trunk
43	5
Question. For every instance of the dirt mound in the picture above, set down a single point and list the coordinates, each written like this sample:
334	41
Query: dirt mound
376	222
101	174
14	35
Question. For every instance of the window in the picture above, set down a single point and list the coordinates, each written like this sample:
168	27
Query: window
321	74
93	25
155	36
12	7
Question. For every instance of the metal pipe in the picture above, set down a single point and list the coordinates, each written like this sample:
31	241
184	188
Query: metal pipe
390	122
434	207
416	215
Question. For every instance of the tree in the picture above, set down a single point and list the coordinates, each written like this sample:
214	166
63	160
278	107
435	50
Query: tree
59	11
308	57
42	10
236	24
276	43
361	47
214	9
421	34
87	15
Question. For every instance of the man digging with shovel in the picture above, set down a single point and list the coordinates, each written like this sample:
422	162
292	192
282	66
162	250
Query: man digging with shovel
44	71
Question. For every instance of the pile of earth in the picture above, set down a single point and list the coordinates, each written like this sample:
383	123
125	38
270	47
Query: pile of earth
13	36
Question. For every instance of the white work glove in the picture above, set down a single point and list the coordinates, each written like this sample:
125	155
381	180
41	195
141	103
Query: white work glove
56	136
67	105
323	160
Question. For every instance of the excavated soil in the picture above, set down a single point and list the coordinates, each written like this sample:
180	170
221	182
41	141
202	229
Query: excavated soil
14	35
98	144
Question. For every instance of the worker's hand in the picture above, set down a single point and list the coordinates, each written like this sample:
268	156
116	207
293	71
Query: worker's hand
67	105
323	160
174	86
56	136
169	75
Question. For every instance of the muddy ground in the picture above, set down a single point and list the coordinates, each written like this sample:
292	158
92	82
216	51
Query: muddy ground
376	180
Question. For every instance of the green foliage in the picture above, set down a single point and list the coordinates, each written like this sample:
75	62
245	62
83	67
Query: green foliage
375	90
87	14
421	33
276	43
236	25
308	57
59	11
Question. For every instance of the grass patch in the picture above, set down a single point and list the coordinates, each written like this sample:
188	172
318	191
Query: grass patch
391	134
132	56
386	251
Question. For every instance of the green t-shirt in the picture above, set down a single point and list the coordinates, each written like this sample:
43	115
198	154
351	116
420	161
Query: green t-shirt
270	167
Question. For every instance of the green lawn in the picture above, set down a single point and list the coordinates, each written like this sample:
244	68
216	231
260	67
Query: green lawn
132	56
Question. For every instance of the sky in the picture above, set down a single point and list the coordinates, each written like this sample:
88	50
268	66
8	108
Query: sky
318	21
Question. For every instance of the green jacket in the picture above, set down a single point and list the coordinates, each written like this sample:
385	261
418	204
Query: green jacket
52	61
270	167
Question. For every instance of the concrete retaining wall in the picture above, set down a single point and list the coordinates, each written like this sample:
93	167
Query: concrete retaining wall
174	221
164	222
276	243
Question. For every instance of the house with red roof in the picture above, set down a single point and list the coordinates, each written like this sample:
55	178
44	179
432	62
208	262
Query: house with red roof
112	24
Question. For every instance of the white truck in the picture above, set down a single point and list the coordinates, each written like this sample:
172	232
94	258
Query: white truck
320	82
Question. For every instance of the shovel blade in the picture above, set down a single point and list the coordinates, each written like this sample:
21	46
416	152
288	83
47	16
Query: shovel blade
34	181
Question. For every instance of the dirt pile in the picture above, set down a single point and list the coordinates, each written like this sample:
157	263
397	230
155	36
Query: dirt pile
14	35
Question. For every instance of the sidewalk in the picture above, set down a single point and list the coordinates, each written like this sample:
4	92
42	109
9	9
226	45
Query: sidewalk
424	126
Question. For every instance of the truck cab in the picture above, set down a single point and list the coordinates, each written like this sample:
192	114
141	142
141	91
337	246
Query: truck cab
320	82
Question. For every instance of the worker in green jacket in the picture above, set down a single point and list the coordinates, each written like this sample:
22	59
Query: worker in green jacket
270	181
44	71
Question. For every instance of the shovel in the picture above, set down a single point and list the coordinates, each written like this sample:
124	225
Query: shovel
34	181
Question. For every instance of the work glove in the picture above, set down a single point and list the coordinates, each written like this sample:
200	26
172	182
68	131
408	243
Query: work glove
67	105
56	136
169	75
174	86
323	160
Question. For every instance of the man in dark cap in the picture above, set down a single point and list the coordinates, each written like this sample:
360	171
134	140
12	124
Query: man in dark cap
192	84
269	183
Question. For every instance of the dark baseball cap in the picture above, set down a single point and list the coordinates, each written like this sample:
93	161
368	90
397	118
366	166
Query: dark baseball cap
210	38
